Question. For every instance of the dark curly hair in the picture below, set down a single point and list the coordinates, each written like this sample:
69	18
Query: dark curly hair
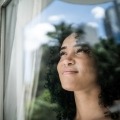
107	56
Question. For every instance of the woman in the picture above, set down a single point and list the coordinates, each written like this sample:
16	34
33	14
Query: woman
78	73
85	96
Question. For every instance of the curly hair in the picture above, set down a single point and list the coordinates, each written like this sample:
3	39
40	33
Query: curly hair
107	56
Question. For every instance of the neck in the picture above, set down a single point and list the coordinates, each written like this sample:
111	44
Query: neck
87	104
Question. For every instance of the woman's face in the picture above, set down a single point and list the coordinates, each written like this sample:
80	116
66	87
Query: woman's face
76	67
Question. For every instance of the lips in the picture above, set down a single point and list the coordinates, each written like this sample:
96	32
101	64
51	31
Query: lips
69	72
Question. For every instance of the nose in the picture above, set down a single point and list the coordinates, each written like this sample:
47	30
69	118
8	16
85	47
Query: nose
69	60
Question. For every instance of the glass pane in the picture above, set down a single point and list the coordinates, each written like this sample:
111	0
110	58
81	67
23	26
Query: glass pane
98	26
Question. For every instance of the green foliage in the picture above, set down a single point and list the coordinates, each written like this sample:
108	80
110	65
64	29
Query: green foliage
45	96
42	108
107	53
108	56
62	30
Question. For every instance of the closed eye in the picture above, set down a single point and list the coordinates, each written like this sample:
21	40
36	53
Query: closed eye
62	53
84	50
80	50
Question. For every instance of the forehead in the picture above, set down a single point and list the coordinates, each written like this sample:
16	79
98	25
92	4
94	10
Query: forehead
70	40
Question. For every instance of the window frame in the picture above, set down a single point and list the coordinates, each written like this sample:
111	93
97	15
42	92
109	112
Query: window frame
3	5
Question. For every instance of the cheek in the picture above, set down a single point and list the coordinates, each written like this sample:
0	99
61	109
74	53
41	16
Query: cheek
87	67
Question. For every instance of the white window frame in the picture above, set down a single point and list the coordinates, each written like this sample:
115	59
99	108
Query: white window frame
3	5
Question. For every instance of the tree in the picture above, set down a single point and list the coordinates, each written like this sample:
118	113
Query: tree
41	107
107	53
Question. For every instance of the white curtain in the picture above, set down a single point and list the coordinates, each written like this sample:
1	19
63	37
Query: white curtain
18	14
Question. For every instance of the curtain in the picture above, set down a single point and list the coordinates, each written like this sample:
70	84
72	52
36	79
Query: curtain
18	13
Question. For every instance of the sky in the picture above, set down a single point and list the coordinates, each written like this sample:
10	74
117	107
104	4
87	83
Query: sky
58	11
73	13
35	31
76	14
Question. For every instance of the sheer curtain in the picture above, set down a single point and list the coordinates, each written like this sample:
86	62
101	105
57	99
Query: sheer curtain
15	15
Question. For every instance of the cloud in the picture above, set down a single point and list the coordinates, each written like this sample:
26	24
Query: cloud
98	12
36	35
56	18
92	24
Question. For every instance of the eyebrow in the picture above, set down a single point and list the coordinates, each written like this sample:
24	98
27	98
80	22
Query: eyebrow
62	48
76	45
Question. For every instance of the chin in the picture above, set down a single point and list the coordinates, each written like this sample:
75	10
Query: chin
68	88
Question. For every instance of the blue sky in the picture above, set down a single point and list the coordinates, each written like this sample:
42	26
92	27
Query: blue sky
35	31
76	14
57	11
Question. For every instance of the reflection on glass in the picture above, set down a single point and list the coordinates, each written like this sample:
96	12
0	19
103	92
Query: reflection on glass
98	26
